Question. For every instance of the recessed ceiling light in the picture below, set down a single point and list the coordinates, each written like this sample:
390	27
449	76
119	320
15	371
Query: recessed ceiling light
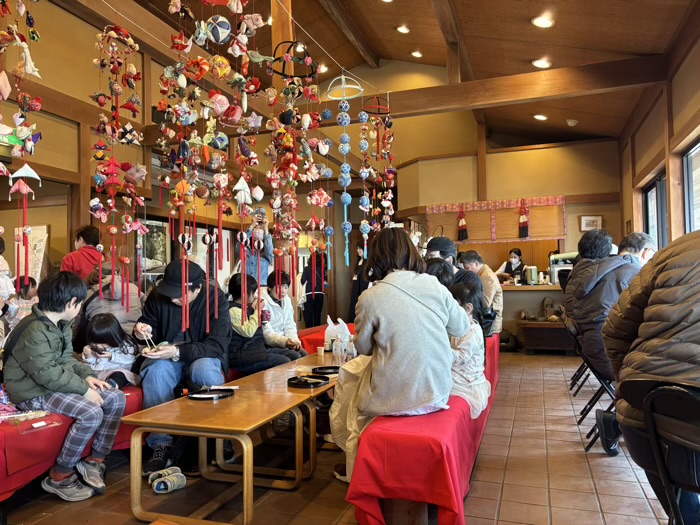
387	1
544	21
540	117
417	54
269	20
322	68
403	29
542	63
300	47
571	122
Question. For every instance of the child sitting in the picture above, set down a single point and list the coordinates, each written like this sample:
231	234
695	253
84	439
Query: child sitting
247	352
468	380
110	351
21	306
41	374
281	332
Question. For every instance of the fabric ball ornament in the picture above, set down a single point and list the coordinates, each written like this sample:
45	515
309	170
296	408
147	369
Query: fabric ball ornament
344	105
207	239
364	173
345	168
329	231
363	117
100	248
220	141
328	142
343	119
347	227
330	204
345	138
344	180
344	149
218	29
327	173
27	230
326	114
364	145
2	230
364	201
346	199
365	228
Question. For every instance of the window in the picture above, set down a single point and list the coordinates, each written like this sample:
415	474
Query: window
655	214
691	166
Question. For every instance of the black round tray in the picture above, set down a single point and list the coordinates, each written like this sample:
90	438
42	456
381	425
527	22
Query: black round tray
310	381
326	370
211	394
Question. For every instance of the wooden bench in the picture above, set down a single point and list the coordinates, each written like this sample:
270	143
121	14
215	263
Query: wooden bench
405	463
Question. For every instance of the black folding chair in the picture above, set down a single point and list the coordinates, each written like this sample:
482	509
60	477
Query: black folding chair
672	416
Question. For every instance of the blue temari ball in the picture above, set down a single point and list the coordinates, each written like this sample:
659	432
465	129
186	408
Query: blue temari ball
345	168
344	180
327	172
345	138
344	105
347	227
365	228
346	199
364	145
326	114
363	117
343	119
364	201
329	231
344	149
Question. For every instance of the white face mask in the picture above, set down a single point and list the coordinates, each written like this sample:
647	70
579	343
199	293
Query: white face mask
514	261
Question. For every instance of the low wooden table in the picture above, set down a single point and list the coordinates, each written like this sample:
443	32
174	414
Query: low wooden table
546	336
261	398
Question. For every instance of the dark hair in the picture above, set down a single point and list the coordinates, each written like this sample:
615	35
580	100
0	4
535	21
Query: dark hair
553	252
595	244
441	269
468	293
2	245
58	289
104	329
360	245
470	256
392	249
471	279
89	234
636	243
284	279
235	285
517	252
93	278
320	259
24	288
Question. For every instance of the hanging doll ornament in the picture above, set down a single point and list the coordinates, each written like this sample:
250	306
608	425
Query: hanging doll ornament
523	232
365	228
462	233
19	185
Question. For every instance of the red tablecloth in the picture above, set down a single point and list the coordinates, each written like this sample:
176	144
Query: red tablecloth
422	458
312	338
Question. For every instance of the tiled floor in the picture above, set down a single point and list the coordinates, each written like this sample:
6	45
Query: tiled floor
531	469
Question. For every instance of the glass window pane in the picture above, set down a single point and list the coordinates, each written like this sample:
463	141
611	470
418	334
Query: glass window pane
693	167
652	211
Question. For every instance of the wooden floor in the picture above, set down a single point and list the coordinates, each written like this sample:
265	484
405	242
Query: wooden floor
531	469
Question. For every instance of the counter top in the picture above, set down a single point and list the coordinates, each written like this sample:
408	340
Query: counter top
532	288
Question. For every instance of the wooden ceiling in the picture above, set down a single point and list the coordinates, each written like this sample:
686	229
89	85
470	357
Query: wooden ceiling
499	41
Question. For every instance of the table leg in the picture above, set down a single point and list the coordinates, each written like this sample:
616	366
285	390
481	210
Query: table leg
136	472
310	468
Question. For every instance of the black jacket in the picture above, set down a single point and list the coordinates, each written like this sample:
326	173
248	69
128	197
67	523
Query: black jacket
593	288
166	320
245	351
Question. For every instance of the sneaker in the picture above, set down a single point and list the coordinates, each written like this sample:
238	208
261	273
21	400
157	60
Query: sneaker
158	461
340	472
609	431
93	474
69	489
162	474
169	483
229	454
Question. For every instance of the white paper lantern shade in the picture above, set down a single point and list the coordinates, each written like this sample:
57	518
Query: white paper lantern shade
344	88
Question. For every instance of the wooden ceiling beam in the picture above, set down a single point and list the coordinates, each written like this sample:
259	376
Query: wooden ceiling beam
687	34
351	30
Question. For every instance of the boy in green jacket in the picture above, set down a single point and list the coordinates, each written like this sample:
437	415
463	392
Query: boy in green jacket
41	374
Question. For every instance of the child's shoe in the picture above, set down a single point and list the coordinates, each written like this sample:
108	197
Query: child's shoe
69	489
163	473
158	461
169	483
93	474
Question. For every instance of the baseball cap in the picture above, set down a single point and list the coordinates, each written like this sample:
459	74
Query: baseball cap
171	283
442	244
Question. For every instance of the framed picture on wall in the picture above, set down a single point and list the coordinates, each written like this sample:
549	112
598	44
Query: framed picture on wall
590	222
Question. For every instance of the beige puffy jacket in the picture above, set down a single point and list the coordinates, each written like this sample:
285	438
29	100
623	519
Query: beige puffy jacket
653	332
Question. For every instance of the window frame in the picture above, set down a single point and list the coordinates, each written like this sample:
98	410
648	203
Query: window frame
688	189
658	184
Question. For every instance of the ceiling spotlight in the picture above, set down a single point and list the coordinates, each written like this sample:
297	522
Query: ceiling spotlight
542	63
300	47
544	21
387	1
417	54
571	122
540	117
269	20
403	29
322	68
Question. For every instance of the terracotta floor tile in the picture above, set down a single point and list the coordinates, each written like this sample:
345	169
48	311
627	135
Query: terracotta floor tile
569	469
619	488
485	489
575	517
626	506
480	521
493	450
523	513
658	509
498	431
564	446
494	475
567	456
528	433
484	460
613	473
571	483
493	439
618	519
527	452
569	499
480	507
528	464
525	478
537	443
648	491
522	494
526	423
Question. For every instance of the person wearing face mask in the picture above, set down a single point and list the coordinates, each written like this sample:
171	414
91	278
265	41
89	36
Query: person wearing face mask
513	267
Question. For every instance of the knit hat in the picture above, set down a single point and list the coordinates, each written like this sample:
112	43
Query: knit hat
442	244
171	284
